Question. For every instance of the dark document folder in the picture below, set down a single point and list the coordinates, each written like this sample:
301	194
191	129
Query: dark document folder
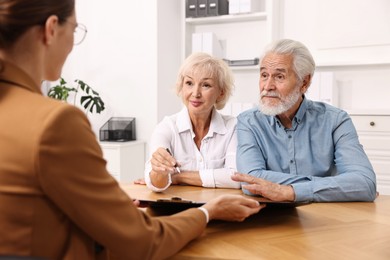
217	7
202	8
191	8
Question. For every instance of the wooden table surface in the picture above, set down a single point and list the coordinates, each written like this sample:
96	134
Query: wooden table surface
348	230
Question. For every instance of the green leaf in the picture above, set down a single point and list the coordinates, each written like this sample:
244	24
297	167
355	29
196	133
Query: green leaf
88	101
91	101
60	92
62	81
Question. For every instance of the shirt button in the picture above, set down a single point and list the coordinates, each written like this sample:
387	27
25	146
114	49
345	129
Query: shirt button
291	161
289	136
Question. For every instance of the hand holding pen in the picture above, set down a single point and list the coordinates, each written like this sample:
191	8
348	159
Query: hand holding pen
176	165
163	162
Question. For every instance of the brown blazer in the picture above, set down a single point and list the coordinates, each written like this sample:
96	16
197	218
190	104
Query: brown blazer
56	196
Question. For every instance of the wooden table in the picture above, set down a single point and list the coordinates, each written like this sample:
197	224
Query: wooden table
349	230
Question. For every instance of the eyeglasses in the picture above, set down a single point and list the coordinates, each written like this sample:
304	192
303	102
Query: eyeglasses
79	33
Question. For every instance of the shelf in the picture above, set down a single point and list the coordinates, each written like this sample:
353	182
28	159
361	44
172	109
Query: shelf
365	112
242	36
230	18
351	64
240	68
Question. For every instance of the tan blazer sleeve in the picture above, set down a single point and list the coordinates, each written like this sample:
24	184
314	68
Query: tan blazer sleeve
72	173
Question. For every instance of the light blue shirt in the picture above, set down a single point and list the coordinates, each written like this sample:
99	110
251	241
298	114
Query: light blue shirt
320	156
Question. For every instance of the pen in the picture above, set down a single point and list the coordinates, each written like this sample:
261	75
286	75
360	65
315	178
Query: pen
176	166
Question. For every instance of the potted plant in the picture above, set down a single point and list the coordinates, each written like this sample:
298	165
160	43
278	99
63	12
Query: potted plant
90	100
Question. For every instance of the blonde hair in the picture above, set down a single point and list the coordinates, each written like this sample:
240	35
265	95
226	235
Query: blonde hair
216	68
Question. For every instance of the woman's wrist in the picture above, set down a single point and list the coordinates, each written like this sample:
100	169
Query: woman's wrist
206	213
159	180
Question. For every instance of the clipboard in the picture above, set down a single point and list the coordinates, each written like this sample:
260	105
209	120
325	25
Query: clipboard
178	197
177	203
174	203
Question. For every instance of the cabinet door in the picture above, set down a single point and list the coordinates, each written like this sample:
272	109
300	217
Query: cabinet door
112	156
374	135
125	161
132	162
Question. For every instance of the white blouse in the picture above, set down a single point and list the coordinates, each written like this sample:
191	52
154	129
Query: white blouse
216	159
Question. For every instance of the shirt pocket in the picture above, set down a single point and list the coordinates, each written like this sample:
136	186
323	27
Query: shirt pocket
215	163
188	165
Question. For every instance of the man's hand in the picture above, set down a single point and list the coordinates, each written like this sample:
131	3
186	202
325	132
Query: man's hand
232	207
267	189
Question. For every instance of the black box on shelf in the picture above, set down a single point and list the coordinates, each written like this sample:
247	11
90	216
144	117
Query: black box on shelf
202	8
191	8
217	7
118	129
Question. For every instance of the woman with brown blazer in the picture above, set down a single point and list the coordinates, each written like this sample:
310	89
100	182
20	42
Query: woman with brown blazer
57	199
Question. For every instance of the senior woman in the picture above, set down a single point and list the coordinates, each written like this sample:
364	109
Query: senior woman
196	146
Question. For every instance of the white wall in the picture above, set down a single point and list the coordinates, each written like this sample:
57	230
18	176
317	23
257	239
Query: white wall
350	38
168	56
130	56
335	31
132	53
118	59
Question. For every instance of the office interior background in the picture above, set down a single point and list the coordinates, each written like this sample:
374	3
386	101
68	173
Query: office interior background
134	49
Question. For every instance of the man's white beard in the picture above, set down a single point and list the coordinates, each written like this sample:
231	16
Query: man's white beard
284	105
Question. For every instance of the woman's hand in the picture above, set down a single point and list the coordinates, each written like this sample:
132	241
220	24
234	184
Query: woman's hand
140	181
163	164
232	207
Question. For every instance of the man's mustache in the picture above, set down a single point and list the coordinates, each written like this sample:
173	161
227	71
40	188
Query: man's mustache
266	93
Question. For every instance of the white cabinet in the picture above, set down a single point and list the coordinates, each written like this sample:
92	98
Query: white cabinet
242	36
125	160
374	135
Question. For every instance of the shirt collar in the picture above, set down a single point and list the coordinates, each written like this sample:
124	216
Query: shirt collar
217	124
301	110
298	116
14	75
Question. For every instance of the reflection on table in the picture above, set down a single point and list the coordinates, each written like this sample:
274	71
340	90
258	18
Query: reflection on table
349	230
